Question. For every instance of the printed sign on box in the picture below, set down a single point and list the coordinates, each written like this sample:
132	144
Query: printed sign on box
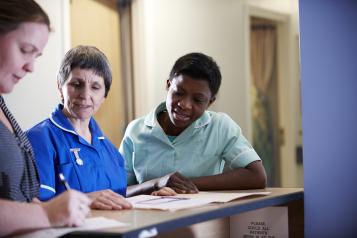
271	222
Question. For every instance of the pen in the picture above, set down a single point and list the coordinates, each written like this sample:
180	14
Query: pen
64	181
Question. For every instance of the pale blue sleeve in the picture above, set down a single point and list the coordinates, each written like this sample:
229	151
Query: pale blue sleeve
44	156
237	152
126	150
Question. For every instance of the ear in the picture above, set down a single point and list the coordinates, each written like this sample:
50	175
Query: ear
59	87
212	100
168	84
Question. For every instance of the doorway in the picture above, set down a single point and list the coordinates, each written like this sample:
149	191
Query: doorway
264	95
96	23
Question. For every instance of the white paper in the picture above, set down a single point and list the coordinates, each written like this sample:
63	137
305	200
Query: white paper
270	222
185	201
221	196
170	203
94	223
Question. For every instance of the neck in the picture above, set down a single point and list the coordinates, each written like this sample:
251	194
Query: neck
167	126
80	126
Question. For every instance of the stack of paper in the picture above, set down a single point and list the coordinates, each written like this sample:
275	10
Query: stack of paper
184	201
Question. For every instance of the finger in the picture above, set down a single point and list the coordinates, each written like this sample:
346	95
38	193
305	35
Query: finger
118	200
166	191
180	186
184	183
101	204
85	209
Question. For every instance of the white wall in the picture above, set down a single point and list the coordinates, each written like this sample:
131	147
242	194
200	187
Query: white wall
34	98
167	29
164	30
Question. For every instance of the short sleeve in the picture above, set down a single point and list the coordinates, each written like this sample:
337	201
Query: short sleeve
44	157
237	152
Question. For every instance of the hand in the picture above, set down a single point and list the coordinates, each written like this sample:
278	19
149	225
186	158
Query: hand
68	209
177	182
165	191
108	200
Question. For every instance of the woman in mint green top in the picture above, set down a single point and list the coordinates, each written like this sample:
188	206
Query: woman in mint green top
182	145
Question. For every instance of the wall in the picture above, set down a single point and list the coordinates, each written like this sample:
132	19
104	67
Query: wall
167	29
34	98
164	30
329	85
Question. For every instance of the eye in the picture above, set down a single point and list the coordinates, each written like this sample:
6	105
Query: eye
96	87
178	93
27	49
24	51
199	100
75	84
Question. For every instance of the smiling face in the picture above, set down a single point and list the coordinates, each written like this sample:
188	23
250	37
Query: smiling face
186	101
18	51
83	94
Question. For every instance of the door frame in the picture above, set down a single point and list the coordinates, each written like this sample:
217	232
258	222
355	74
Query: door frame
287	95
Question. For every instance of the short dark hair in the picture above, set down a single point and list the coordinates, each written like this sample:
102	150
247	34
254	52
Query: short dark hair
15	12
86	57
198	66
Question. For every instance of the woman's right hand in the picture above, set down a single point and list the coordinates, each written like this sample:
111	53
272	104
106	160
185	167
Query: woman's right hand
68	209
108	200
177	182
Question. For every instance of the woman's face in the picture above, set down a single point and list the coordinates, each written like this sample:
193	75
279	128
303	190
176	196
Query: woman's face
18	51
82	93
186	101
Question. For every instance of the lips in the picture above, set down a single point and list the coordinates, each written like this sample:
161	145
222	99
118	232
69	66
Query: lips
181	116
81	106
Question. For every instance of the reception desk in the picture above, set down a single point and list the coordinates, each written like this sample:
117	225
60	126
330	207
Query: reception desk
207	221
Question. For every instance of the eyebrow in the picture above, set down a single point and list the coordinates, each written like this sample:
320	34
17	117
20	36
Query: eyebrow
195	94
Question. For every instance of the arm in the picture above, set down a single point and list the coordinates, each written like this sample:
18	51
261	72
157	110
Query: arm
175	181
68	209
251	177
246	169
45	155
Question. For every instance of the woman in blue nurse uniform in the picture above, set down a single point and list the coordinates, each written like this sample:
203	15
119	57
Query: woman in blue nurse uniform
71	142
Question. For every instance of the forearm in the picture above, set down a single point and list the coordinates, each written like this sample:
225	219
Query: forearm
19	217
251	177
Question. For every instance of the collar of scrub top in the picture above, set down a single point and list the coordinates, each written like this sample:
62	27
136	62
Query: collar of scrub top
60	120
151	121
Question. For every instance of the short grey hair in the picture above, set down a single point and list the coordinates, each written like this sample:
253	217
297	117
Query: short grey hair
85	57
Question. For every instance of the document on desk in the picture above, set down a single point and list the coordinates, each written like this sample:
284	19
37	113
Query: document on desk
170	203
185	201
94	223
222	197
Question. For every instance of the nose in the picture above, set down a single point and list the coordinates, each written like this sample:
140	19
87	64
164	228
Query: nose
85	92
185	103
29	67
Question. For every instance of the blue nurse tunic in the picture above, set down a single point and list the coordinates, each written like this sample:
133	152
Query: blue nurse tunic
87	167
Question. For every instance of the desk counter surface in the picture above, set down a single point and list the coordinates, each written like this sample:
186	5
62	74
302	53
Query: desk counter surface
156	221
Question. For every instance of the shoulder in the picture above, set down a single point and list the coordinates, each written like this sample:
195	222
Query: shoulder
44	132
222	119
136	126
40	128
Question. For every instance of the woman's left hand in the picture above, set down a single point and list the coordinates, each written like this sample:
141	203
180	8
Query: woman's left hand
108	200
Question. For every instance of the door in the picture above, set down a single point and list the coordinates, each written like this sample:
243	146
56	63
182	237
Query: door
96	23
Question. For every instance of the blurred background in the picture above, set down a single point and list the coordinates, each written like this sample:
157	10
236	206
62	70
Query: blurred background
255	43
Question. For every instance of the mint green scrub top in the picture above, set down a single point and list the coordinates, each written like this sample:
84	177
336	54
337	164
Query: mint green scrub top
204	148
